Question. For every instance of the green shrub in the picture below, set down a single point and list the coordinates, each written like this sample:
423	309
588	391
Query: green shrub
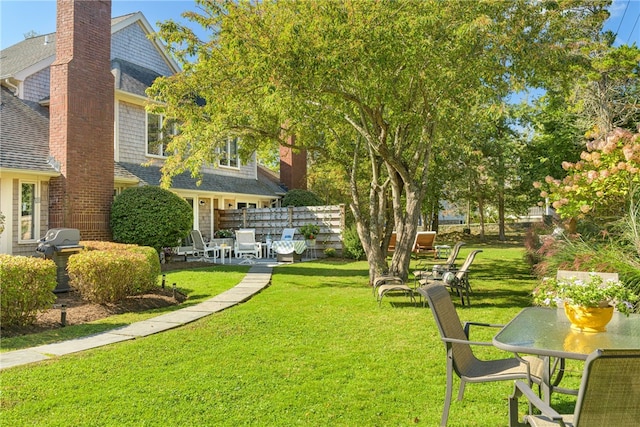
110	276
150	216
149	279
153	260
330	252
26	287
99	245
301	198
352	245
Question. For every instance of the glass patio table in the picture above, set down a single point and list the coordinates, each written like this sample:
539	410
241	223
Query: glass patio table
547	332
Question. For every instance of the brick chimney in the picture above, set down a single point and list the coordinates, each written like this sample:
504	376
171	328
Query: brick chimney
293	166
81	119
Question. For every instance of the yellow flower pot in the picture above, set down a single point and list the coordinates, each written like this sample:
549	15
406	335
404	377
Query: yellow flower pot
588	319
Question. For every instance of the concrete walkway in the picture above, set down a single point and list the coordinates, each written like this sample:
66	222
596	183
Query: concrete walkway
258	278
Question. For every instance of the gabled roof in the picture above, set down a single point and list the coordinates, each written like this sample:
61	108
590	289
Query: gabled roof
151	175
36	53
132	78
24	140
25	54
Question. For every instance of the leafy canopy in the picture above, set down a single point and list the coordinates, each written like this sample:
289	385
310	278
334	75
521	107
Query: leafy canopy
376	87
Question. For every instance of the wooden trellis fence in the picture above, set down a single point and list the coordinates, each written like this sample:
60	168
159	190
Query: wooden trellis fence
271	222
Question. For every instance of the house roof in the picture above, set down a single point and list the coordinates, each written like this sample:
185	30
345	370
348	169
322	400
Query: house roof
41	50
25	54
25	135
272	179
151	175
132	78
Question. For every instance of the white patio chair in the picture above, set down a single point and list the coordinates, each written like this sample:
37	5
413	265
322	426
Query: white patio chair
200	248
287	234
246	246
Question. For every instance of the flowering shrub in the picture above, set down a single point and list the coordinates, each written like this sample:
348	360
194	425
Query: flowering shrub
594	292
310	231
599	183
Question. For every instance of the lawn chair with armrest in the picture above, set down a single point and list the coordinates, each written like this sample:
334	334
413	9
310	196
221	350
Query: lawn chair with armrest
424	242
390	283
458	280
200	248
609	394
246	246
438	270
460	357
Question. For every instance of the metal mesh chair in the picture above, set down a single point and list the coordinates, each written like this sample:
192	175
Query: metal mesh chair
460	281
438	270
391	284
609	394
460	357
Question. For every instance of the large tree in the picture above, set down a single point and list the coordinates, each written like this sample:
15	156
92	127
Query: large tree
377	86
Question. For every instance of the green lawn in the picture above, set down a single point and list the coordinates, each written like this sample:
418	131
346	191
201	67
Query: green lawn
314	348
198	285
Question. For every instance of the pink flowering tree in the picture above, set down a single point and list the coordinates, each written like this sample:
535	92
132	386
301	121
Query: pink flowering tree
601	183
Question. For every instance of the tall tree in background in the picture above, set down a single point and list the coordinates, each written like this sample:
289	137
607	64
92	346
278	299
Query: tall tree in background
378	86
570	120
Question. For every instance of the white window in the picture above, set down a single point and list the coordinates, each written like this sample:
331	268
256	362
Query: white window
229	154
28	214
156	140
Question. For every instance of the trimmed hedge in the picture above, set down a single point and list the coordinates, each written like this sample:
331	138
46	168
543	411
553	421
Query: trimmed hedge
26	287
99	245
150	216
110	275
153	259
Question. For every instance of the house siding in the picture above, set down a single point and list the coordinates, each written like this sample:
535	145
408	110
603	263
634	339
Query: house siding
132	44
131	128
132	143
36	87
244	171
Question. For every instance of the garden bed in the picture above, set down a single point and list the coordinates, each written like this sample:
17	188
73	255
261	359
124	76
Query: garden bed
79	311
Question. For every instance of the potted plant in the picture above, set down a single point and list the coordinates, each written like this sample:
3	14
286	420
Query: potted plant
310	232
223	234
589	304
166	254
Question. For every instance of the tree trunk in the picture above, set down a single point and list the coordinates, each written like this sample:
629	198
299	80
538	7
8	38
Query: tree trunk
502	236
481	213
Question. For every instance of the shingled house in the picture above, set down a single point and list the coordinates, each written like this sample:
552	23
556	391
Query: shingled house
75	132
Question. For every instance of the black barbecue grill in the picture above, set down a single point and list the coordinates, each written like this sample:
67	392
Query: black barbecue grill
58	244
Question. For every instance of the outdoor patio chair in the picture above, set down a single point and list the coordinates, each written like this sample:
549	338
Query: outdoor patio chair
201	249
458	280
246	246
460	357
392	243
389	283
609	394
424	242
287	234
439	269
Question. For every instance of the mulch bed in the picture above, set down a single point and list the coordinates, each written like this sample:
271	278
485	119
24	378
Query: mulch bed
79	311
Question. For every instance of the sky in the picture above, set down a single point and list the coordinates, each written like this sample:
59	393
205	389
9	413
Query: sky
19	17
